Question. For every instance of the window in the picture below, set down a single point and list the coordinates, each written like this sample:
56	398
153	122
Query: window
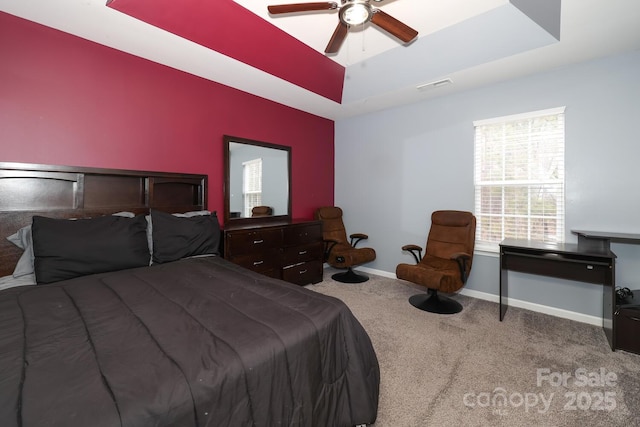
251	185
519	178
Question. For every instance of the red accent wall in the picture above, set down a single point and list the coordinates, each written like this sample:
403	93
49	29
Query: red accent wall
228	28
67	101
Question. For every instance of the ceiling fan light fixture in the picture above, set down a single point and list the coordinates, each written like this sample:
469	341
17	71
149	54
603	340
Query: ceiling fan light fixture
356	12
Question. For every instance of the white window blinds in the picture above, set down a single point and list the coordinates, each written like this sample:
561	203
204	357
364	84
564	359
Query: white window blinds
251	185
519	178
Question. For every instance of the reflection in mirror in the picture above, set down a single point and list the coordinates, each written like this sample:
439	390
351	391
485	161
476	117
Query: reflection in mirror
258	179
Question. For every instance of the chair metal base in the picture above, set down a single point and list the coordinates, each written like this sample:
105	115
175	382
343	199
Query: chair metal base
435	303
349	276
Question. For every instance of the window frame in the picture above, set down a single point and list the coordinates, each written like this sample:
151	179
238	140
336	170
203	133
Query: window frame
251	197
508	186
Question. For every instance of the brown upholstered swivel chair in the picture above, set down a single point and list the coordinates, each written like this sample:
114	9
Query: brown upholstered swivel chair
446	264
339	252
261	211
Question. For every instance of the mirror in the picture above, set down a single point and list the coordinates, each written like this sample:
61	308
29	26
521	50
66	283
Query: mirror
256	174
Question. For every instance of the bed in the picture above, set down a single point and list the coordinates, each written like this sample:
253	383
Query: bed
136	321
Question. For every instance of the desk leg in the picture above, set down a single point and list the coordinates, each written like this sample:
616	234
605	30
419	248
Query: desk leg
609	306
504	285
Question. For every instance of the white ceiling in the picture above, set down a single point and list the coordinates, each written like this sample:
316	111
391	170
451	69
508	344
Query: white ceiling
380	72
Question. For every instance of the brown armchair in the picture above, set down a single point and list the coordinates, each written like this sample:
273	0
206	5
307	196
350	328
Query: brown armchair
446	264
338	251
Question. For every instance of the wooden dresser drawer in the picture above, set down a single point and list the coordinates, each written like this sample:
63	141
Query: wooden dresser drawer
300	234
302	253
303	273
252	241
259	262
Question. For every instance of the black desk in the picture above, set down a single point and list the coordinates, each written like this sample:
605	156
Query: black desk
601	240
565	261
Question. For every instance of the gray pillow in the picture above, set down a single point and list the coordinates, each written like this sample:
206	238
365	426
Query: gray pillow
22	239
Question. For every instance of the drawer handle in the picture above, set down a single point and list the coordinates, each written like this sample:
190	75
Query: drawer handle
303	271
258	241
258	262
302	252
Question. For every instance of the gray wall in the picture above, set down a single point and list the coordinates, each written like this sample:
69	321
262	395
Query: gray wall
393	168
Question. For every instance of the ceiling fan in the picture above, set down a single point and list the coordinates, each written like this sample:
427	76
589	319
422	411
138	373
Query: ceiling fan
351	13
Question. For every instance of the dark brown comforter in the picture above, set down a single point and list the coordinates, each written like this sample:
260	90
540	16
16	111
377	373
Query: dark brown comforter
197	342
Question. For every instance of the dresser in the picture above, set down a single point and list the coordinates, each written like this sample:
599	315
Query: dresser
290	250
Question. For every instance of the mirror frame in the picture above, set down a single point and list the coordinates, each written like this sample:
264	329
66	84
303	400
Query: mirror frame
227	201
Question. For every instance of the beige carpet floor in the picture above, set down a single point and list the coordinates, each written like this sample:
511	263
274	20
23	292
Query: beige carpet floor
470	369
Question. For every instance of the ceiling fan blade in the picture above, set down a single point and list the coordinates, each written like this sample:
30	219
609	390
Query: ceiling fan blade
393	26
301	7
337	38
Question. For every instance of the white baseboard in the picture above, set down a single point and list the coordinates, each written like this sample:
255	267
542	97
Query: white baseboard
552	311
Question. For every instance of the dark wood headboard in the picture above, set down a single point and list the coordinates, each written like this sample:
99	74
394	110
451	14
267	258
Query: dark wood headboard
79	192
